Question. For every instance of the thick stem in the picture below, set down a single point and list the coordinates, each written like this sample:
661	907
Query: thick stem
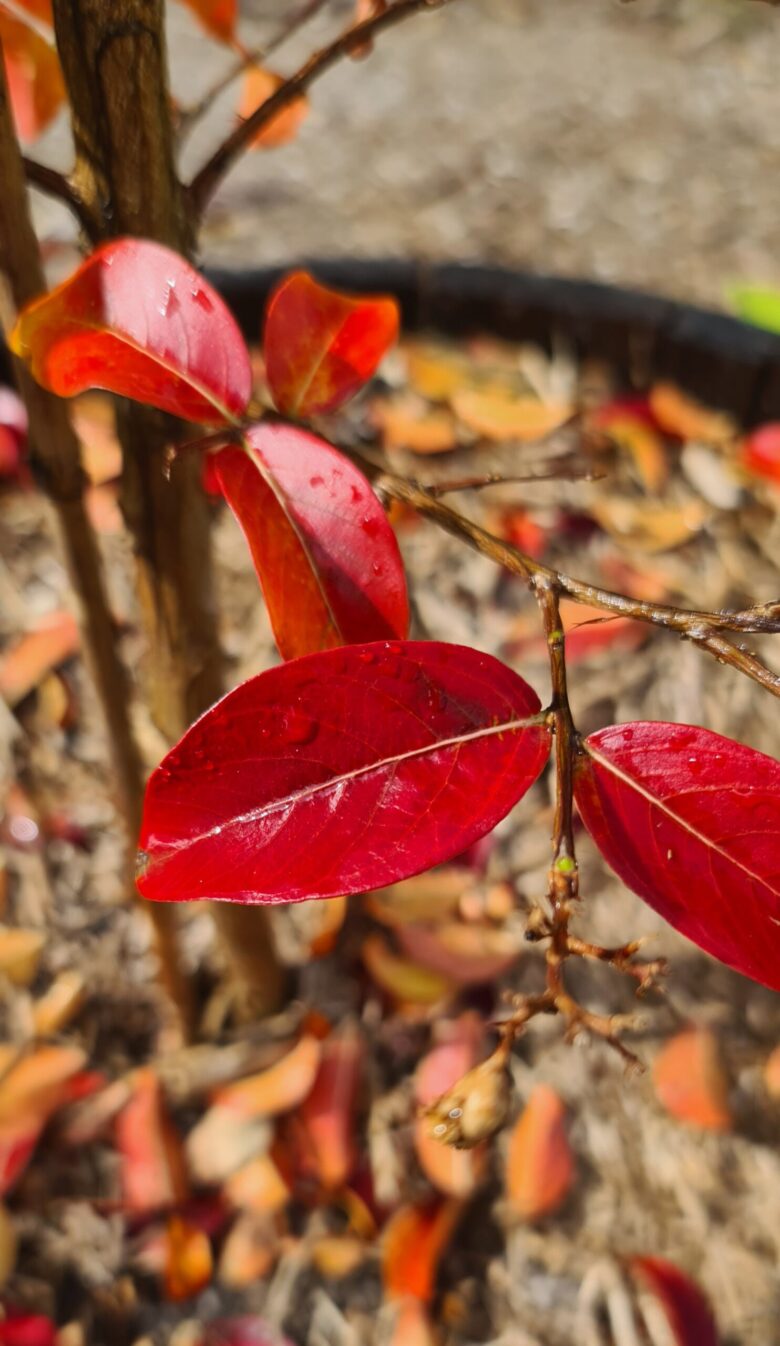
56	461
114	62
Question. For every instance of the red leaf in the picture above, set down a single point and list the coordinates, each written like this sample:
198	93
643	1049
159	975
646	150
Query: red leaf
683	1303
326	556
13	432
32	1089
27	1329
259	84
691	822
320	346
138	320
760	451
35	86
339	772
540	1164
218	17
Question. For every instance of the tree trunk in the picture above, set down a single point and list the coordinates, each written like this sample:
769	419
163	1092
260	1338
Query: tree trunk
114	62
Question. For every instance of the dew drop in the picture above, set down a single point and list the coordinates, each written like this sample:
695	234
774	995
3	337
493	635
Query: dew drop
366	657
316	481
376	568
356	494
297	727
369	525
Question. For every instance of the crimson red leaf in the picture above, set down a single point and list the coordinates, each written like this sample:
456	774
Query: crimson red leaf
691	822
321	346
326	556
27	1329
339	772
688	1313
138	320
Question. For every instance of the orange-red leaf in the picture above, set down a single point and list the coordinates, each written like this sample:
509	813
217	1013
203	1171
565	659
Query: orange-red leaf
772	1073
138	320
326	557
690	1081
55	639
189	1263
681	415
540	1164
321	346
31	1091
451	1171
281	1087
413	1243
218	17
35	85
688	1314
328	1113
259	84
153	1172
760	451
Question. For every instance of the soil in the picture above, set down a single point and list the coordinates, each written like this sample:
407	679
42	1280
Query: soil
631	143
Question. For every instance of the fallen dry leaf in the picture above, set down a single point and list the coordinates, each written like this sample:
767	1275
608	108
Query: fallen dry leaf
327	1114
681	415
153	1171
690	1081
189	1264
540	1164
413	1242
282	1087
55	639
259	84
20	954
453	1172
338	1255
406	421
409	983
250	1251
258	1186
500	415
59	1005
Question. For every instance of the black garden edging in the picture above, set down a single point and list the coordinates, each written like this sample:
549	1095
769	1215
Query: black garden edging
724	362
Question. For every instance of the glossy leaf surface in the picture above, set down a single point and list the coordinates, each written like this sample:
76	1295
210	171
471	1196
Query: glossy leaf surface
687	1311
340	772
138	320
325	554
691	822
321	346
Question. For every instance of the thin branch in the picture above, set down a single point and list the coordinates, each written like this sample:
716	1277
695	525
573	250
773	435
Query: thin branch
190	116
696	624
56	184
208	178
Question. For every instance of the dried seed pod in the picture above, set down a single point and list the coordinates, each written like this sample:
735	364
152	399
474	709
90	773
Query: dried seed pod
476	1107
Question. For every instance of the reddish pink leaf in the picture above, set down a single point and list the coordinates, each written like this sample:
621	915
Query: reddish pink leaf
326	556
327	1114
340	772
453	1172
761	451
13	432
689	1315
27	1329
153	1170
138	320
320	346
540	1165
691	822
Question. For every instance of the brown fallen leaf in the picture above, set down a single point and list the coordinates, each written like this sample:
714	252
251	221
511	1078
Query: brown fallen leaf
502	416
409	983
338	1255
540	1165
690	1081
465	954
681	415
20	954
426	897
648	526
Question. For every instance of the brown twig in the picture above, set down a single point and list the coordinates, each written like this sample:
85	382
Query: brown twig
190	116
209	176
56	184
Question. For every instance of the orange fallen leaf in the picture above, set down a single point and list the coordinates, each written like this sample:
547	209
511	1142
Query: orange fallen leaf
55	639
153	1169
94	421
327	1114
279	1088
20	954
772	1073
412	1326
645	448
690	1081
436	371
250	1251
408	982
338	1255
59	1005
540	1164
259	84
413	1243
189	1264
500	415
405	421
32	1089
258	1186
35	85
647	525
465	954
681	415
